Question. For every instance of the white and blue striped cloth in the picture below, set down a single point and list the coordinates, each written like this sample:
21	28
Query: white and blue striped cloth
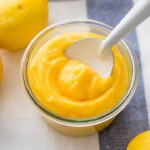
22	128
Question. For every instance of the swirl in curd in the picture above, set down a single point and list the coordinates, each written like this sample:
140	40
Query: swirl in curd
69	88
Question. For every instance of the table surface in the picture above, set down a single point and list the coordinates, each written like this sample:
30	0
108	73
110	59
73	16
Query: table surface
21	127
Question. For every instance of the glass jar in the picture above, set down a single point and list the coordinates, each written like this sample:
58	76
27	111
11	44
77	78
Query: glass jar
80	127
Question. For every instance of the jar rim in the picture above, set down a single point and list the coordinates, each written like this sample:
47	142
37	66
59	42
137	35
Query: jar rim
88	121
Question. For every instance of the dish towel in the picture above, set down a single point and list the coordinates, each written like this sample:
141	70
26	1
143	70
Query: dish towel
22	128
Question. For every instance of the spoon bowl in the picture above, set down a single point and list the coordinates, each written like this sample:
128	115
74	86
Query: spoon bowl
87	50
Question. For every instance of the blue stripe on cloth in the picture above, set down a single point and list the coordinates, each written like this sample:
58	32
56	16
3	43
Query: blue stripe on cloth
134	118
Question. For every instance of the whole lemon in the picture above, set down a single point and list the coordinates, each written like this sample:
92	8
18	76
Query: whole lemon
1	70
140	142
20	21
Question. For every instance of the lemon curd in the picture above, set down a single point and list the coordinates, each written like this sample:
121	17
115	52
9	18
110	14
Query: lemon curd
71	89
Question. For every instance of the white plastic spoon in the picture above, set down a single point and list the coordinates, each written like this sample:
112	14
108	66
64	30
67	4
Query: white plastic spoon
98	54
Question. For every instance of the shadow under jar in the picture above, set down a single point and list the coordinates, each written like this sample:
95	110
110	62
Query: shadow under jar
86	126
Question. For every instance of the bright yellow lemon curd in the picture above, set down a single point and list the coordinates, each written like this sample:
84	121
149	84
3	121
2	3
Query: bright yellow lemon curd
68	87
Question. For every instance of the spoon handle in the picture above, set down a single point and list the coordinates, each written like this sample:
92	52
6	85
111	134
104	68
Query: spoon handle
136	15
